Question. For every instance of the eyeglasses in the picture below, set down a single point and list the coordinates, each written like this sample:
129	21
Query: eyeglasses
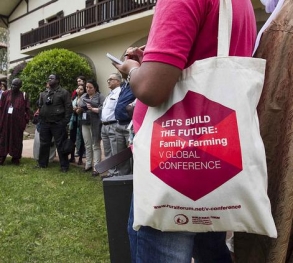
110	79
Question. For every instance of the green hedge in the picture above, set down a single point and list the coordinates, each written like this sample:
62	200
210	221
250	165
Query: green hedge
67	64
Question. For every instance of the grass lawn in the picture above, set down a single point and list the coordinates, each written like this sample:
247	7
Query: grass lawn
49	216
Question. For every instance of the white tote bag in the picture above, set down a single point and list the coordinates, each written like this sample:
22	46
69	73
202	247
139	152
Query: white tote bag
199	160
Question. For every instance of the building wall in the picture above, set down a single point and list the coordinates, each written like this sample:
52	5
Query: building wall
31	20
116	46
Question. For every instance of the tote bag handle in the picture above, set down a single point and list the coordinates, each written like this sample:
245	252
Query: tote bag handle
225	28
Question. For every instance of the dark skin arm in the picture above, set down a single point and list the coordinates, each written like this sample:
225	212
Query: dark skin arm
152	82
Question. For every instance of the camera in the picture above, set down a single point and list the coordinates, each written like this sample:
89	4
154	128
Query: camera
49	101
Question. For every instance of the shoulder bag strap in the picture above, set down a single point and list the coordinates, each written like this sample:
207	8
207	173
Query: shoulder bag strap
225	28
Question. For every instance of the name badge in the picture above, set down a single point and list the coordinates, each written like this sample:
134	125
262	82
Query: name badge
10	110
84	116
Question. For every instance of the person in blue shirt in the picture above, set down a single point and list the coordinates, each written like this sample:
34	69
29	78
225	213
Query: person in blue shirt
123	118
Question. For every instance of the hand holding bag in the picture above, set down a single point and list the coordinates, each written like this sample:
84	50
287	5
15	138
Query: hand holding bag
199	160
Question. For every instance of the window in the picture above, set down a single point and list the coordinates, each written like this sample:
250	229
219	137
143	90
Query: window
55	17
89	3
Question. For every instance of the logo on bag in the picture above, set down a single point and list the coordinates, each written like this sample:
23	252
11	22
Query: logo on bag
181	219
195	146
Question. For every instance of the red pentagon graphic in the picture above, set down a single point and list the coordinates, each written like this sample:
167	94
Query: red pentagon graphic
200	153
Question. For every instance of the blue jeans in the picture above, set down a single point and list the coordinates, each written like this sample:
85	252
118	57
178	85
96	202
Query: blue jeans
149	245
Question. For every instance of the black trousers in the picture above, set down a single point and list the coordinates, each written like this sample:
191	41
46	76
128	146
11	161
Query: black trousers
47	131
73	135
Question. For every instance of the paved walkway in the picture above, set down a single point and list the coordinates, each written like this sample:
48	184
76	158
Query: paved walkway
28	144
27	150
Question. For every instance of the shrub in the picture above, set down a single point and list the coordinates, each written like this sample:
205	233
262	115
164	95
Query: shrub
67	64
16	71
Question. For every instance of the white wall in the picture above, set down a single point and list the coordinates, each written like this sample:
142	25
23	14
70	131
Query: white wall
19	11
27	22
97	52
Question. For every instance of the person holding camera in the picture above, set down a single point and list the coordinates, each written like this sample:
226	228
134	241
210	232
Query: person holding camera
55	112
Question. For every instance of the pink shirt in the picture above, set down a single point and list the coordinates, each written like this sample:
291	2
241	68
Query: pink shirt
185	31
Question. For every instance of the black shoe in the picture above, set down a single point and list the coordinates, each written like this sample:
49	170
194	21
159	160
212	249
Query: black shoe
88	169
15	161
64	169
2	160
72	160
95	173
80	162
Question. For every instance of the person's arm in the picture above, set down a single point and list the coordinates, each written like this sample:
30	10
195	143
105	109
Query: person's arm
97	104
27	108
174	29
40	101
67	106
94	110
151	82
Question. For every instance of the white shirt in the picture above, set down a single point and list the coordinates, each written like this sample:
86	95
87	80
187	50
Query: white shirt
108	111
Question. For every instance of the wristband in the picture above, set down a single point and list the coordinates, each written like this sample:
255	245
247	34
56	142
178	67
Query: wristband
129	74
